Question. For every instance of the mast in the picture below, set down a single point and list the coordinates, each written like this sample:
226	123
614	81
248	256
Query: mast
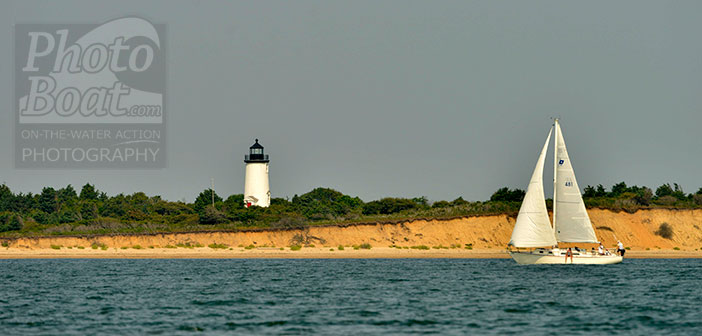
555	171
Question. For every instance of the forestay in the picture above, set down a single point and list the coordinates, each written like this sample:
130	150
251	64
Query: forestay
571	222
533	227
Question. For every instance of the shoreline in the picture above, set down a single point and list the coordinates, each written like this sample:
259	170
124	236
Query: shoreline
421	238
304	253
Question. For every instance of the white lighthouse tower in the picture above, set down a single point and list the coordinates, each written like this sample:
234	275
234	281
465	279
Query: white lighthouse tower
256	188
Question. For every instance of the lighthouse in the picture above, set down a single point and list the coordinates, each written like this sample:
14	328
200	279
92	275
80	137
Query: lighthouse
256	188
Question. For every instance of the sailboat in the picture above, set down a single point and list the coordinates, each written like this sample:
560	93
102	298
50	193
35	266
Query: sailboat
534	237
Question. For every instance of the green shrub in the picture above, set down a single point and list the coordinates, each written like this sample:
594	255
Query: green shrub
676	248
170	246
96	246
250	247
295	247
124	247
665	231
420	247
469	246
217	246
81	247
5	244
56	247
366	246
340	248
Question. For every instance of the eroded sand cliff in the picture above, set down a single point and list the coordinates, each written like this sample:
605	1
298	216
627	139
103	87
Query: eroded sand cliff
635	230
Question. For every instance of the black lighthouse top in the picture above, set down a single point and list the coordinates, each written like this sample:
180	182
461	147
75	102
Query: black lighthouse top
256	154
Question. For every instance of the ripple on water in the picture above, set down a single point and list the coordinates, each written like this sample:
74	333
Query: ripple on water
342	297
214	303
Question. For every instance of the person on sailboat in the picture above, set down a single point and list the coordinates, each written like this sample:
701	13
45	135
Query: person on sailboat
569	253
620	248
600	249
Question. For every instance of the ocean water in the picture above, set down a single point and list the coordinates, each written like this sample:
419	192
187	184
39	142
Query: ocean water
348	297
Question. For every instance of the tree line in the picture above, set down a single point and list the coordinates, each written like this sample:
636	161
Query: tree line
68	211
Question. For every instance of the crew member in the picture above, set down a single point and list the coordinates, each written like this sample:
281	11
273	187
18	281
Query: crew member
569	253
620	248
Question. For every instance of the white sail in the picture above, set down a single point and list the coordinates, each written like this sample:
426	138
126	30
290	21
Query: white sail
570	219
533	227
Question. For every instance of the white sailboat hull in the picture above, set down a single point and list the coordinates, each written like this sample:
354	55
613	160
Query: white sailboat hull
556	257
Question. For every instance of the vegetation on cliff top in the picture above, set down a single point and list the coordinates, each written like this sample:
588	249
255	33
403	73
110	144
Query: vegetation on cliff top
68	212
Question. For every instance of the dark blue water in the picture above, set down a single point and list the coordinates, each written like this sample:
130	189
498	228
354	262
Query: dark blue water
348	297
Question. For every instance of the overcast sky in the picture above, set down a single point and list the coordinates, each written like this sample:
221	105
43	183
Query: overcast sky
402	98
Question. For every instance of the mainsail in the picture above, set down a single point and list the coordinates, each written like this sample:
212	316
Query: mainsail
570	219
533	227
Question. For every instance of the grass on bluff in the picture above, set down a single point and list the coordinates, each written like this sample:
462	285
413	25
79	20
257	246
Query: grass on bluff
189	245
96	246
218	246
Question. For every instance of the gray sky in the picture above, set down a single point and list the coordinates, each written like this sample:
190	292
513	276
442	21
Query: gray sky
402	98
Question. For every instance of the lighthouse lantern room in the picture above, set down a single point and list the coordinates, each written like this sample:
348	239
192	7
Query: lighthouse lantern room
256	188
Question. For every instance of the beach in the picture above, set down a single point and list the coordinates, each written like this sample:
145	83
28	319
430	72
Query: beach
287	253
